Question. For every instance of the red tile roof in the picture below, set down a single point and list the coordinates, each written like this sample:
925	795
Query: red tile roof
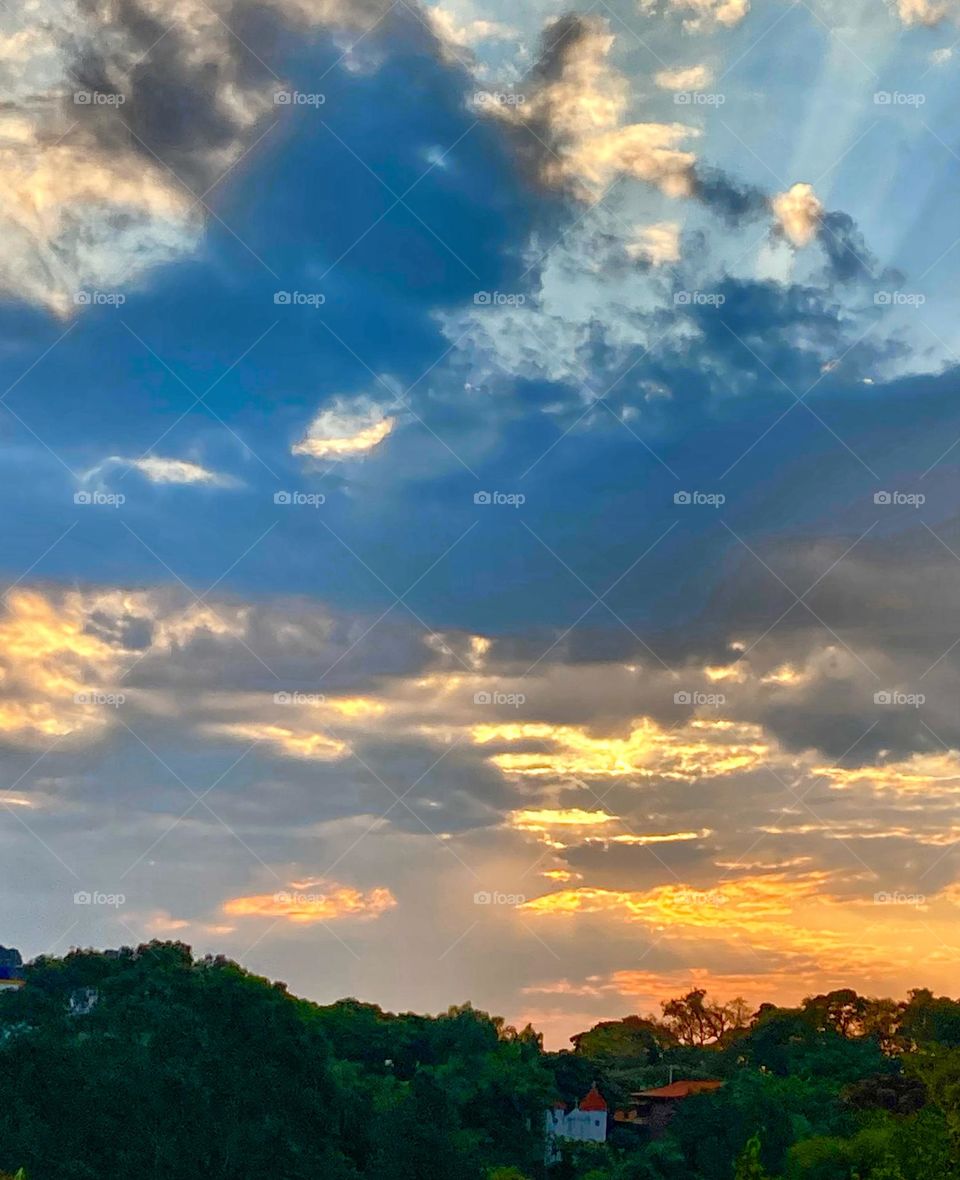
682	1089
593	1101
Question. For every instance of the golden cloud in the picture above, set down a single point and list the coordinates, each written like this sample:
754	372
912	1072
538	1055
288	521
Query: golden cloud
52	668
701	748
328	905
750	903
924	12
920	773
347	429
305	743
545	819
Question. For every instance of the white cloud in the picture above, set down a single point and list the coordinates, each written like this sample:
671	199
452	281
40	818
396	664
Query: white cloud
657	244
468	32
689	78
162	471
798	212
83	204
347	429
571	122
704	15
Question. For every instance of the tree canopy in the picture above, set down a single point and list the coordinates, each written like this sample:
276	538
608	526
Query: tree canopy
148	1062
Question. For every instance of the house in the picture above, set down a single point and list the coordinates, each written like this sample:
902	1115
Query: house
10	969
652	1110
587	1122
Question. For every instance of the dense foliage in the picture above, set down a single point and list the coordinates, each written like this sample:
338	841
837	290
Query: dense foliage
146	1062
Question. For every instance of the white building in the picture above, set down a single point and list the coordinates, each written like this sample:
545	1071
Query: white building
587	1122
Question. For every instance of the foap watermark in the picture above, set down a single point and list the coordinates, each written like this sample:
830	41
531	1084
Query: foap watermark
100	499
99	298
712	700
492	697
896	897
495	897
893	696
498	98
292	898
499	298
112	700
898	98
98	98
900	499
299	698
300	499
700	897
899	299
708	499
699	299
699	98
510	499
95	897
299	298
298	98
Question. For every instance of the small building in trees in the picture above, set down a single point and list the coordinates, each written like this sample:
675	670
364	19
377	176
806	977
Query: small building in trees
11	969
586	1122
652	1110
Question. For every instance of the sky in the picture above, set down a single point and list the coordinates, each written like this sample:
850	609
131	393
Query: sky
479	494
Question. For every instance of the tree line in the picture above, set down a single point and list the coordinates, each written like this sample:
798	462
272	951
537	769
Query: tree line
147	1062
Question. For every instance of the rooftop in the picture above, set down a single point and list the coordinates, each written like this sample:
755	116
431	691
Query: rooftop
594	1100
681	1089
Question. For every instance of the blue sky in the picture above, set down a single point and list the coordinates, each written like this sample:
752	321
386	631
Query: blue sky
456	453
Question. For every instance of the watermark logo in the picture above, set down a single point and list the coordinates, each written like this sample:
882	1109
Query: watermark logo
97	98
700	897
299	298
300	499
699	299
883	897
513	699
498	98
299	698
897	98
710	499
494	897
298	98
699	98
499	298
99	298
711	699
899	299
94	897
910	499
100	499
893	696
510	499
112	700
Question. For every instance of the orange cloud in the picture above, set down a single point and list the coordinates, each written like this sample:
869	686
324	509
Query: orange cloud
337	901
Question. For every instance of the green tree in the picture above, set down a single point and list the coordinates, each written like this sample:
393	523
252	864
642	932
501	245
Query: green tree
749	1166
